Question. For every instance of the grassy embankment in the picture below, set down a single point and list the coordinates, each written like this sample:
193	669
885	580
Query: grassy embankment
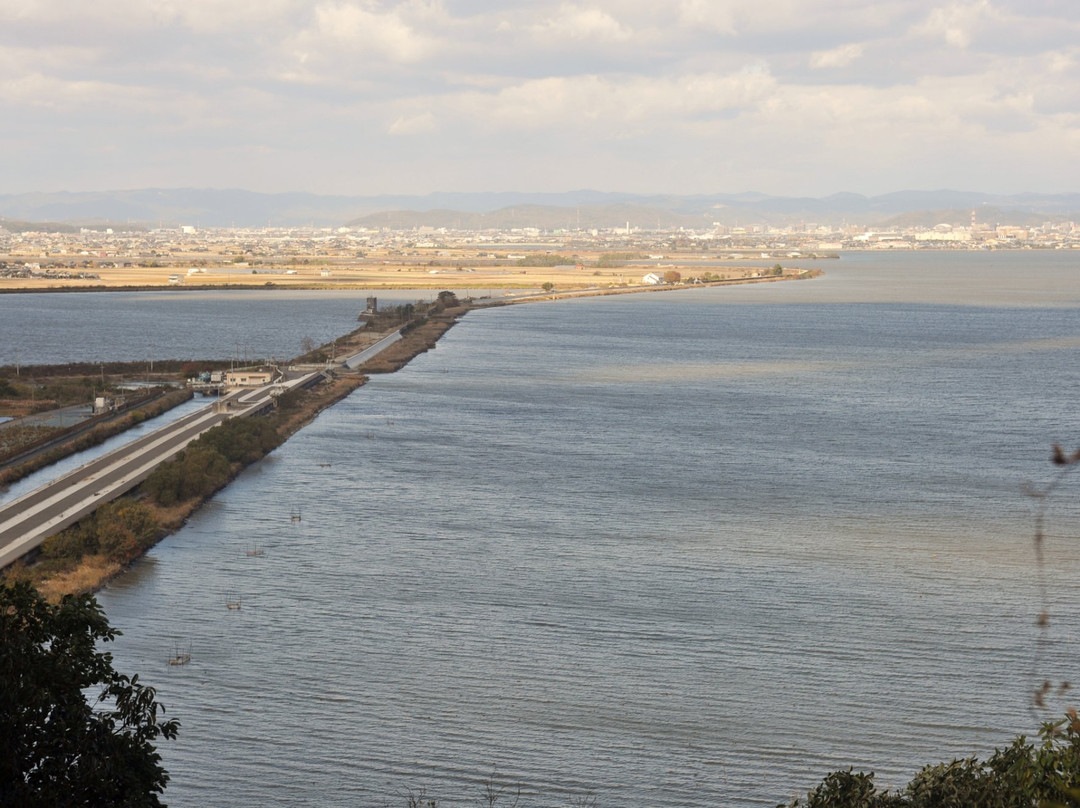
85	556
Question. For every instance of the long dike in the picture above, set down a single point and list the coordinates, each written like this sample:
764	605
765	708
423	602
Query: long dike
26	522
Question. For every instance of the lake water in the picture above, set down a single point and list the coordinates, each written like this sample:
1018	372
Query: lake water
687	549
57	327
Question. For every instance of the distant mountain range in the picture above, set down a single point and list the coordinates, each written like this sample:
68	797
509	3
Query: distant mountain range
590	209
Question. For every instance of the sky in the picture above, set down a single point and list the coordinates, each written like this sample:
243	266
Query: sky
358	97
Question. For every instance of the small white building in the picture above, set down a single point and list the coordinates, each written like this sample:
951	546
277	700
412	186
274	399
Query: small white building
248	378
652	278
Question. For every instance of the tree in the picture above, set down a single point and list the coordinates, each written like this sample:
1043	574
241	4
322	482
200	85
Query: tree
56	748
547	286
672	276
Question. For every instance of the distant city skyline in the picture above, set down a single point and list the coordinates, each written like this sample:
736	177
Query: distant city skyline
783	97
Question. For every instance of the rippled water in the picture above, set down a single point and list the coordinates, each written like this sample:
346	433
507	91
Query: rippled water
689	549
55	327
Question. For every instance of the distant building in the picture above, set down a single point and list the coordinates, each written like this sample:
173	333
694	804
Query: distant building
652	278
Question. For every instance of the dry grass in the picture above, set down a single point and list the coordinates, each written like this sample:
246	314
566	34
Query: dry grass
91	573
441	268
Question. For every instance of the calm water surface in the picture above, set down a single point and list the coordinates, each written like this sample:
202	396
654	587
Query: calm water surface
689	549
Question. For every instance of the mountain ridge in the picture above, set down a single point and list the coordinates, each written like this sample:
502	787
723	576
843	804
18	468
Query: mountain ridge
579	208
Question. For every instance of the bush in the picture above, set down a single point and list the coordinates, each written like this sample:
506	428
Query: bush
240	440
124	529
197	471
1019	776
71	544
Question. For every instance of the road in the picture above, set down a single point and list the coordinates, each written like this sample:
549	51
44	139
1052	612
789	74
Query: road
356	360
27	521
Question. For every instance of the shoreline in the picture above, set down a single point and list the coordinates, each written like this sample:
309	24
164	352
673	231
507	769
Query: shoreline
92	572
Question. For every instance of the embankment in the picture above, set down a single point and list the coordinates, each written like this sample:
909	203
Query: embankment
86	556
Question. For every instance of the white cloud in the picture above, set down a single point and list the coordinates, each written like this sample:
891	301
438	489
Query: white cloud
421	124
582	23
1058	62
603	104
352	28
956	23
718	17
837	57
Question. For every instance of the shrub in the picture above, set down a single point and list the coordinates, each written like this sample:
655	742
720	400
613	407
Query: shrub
124	529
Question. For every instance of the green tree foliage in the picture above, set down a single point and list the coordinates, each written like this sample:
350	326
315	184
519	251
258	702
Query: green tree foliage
207	463
547	286
610	260
71	544
240	440
545	260
56	748
1023	775
196	472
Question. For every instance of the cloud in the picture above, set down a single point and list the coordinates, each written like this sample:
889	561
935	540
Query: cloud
811	92
607	105
957	22
36	90
1058	62
716	17
201	16
356	30
582	23
421	124
837	57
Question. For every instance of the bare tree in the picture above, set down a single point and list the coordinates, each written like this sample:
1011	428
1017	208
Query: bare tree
418	799
492	792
